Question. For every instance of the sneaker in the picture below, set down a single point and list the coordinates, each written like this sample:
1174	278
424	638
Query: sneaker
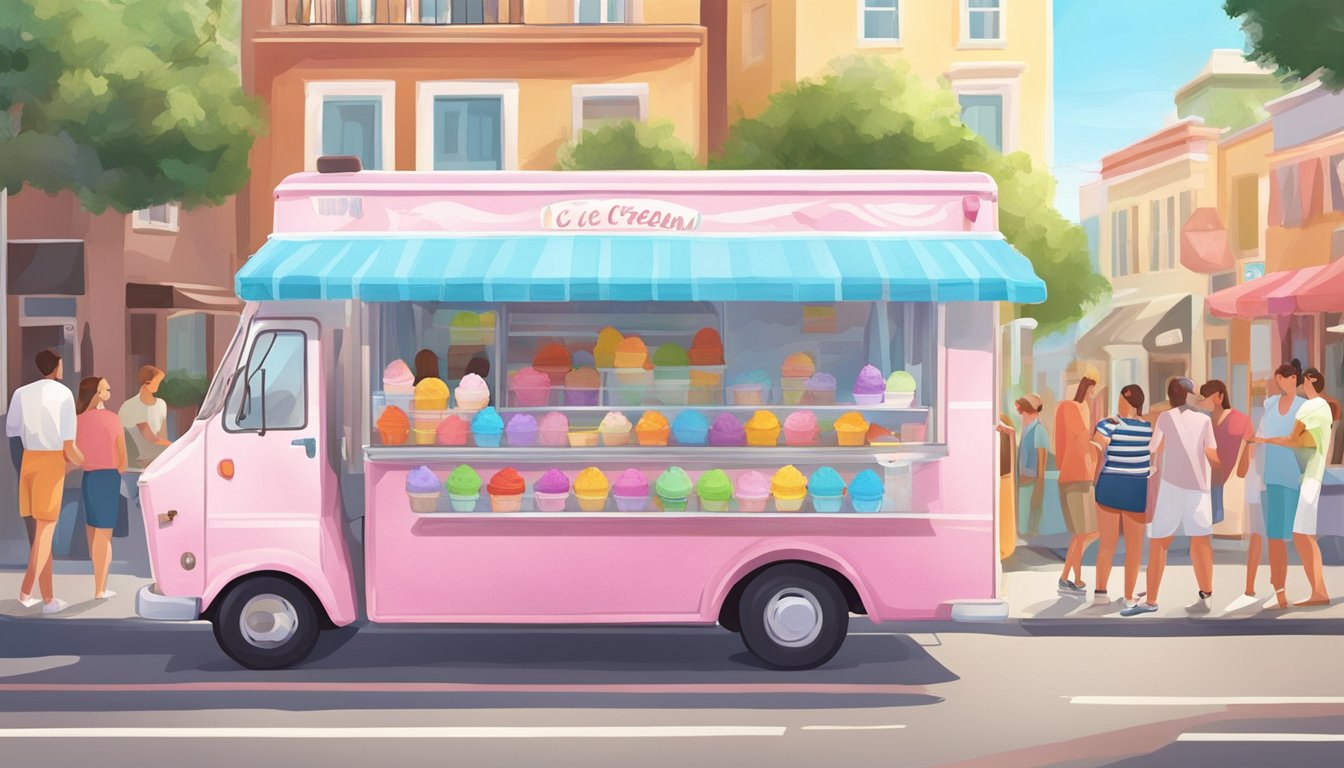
1069	588
1138	609
107	593
54	605
1127	604
1242	603
1099	597
29	601
1201	605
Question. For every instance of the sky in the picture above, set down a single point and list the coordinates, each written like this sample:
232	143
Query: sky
1118	64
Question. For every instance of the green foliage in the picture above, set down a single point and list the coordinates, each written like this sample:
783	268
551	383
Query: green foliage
180	389
628	145
128	103
869	114
1296	36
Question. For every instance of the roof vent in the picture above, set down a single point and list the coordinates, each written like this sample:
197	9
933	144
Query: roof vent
339	164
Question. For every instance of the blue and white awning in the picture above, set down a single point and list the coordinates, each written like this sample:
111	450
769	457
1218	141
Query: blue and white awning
802	268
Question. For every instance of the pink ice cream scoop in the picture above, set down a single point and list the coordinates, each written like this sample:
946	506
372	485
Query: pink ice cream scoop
554	481
752	490
800	428
554	430
631	491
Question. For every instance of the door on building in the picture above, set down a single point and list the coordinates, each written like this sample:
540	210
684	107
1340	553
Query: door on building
48	322
1160	372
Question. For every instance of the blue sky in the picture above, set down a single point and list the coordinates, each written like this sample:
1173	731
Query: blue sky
1118	64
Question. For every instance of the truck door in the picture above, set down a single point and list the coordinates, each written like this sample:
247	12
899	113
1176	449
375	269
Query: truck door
267	479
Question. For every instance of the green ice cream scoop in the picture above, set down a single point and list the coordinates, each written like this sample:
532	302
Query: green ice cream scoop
673	484
464	481
714	485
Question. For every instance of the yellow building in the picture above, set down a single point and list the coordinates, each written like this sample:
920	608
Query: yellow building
459	84
996	55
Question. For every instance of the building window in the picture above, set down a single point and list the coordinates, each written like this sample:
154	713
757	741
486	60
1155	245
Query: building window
156	218
1132	255
1120	243
880	20
1171	233
1154	235
756	34
1187	208
596	105
1245	213
982	21
186	343
350	118
600	12
466	126
983	114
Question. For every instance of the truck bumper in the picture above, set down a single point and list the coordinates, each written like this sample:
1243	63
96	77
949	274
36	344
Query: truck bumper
979	610
150	604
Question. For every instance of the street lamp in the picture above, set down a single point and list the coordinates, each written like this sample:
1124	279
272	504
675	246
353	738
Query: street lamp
1013	329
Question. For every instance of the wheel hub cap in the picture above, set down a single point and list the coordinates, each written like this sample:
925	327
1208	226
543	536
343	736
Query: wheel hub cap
268	621
793	618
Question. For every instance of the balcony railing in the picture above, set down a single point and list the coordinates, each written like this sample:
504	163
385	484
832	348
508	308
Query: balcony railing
418	12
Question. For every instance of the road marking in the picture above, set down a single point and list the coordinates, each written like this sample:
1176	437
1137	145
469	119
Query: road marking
852	727
502	732
1261	737
1201	701
845	689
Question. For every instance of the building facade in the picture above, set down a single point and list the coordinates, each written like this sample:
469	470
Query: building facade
459	84
995	55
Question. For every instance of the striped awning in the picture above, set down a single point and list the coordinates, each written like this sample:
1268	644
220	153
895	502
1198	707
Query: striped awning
640	268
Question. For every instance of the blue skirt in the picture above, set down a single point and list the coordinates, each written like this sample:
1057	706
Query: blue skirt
101	492
1127	493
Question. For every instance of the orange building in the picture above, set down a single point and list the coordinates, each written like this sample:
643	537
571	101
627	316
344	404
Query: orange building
459	84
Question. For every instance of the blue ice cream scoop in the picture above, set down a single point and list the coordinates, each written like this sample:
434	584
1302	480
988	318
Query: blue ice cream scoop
867	491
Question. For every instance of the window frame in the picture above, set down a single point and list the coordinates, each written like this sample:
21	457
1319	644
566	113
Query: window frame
627	7
880	42
316	94
1003	112
428	90
240	379
581	93
141	222
749	56
968	42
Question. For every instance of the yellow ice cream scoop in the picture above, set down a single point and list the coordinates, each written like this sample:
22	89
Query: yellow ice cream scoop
431	395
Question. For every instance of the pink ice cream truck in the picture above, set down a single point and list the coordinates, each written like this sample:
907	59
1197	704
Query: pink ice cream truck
758	400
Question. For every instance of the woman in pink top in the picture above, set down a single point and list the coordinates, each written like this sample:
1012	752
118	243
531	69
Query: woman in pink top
100	438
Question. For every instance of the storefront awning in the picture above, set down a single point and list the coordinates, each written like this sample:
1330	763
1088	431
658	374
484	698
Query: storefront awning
1160	325
1274	294
1324	292
641	268
1204	247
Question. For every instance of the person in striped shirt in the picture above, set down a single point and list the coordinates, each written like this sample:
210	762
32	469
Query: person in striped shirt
1122	490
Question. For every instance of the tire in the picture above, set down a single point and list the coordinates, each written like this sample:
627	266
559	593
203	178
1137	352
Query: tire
283	623
810	617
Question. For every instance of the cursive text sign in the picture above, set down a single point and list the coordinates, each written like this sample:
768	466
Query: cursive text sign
573	215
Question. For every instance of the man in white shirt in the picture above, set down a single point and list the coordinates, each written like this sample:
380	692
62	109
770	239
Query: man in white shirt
42	415
145	417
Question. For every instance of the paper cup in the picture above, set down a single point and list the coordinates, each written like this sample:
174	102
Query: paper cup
819	396
464	503
709	505
553	438
484	440
851	437
748	394
867	505
580	396
550	502
530	397
523	439
748	504
870	399
632	503
652	436
763	437
583	438
827	503
423	502
792	390
673	505
801	437
900	399
690	437
511	503
612	439
789	505
592	503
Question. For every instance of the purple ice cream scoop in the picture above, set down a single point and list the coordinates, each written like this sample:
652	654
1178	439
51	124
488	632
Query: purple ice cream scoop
554	481
870	382
727	430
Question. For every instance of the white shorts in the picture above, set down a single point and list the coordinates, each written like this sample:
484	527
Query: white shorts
1308	503
1181	510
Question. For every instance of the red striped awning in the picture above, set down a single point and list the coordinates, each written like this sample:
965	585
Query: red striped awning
1325	292
1274	294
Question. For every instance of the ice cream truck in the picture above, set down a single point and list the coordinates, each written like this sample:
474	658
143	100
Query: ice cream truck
762	400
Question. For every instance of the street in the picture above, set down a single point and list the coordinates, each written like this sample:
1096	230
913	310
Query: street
1171	693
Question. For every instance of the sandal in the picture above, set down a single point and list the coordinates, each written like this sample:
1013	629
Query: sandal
1277	603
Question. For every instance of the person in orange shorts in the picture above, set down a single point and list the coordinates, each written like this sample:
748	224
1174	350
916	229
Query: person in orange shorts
42	415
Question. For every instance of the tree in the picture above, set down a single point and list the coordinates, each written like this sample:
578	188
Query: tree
127	103
628	145
1298	37
868	114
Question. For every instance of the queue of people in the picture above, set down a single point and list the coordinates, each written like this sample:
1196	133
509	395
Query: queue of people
59	431
1132	474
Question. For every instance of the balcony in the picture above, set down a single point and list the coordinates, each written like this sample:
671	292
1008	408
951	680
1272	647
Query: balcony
402	12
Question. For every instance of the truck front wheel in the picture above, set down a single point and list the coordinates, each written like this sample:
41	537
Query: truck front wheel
267	623
793	617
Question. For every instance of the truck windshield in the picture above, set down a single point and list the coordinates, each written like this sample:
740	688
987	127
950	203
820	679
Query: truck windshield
214	398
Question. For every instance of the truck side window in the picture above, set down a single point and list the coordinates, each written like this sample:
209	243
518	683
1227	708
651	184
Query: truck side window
281	356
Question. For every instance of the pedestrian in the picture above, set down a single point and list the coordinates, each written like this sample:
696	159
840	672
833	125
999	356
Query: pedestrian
1122	491
1232	431
145	417
1281	477
42	414
1077	460
1032	457
1186	456
103	443
1311	431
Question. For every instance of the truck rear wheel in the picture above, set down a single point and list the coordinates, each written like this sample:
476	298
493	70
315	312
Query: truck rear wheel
793	617
267	623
